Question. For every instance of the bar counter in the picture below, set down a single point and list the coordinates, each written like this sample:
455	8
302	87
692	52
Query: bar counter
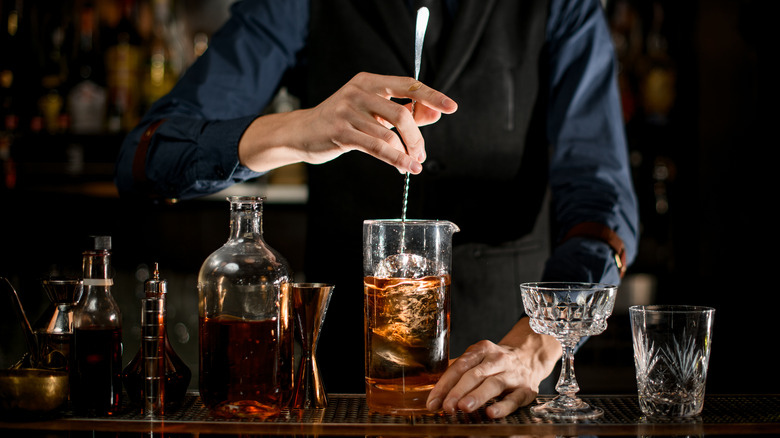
347	415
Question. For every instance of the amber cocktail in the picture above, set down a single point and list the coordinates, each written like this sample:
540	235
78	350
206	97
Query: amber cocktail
407	311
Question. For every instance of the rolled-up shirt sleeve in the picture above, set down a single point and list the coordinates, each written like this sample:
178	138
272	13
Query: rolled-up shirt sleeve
194	151
590	177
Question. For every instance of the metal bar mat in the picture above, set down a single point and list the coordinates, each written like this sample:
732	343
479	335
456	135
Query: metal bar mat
351	409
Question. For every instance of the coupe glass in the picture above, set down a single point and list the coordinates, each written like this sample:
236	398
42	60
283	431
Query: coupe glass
568	312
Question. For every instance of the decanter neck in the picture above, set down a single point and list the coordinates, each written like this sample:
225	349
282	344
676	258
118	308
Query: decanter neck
246	218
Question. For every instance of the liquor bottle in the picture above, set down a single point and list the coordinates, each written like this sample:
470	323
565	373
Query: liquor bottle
245	321
8	56
165	53
87	95
8	117
96	379
17	63
56	36
659	73
122	61
176	375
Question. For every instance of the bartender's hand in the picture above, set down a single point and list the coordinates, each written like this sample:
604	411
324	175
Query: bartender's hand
359	116
511	369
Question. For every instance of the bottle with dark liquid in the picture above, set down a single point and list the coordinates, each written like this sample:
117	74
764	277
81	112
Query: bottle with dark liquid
246	334
96	375
177	375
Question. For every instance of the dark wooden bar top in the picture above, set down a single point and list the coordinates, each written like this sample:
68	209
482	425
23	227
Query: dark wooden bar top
347	415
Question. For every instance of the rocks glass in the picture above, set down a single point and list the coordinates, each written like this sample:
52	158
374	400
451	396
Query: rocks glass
671	354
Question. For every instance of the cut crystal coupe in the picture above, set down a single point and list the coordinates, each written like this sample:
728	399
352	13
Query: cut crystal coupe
568	312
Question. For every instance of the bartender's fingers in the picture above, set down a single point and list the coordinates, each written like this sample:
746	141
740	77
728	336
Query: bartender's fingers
408	88
484	372
488	379
456	381
394	156
510	402
428	107
424	115
359	108
514	393
375	139
398	116
380	142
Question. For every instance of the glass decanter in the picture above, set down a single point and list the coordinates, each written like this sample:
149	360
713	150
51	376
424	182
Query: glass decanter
246	338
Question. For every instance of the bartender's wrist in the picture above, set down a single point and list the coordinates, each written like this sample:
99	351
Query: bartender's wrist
544	350
600	232
267	143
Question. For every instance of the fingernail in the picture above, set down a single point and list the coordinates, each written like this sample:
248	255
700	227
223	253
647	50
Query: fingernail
468	403
416	167
433	404
449	405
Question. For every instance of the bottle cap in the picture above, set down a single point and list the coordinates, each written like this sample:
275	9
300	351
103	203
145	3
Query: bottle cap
99	243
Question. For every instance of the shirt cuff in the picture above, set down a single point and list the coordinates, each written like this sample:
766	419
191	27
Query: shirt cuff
582	259
218	144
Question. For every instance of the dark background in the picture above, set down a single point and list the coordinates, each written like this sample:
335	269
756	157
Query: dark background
703	167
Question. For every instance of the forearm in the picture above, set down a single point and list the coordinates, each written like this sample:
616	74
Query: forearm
274	140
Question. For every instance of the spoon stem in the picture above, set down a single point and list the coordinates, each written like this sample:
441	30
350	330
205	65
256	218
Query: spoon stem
419	36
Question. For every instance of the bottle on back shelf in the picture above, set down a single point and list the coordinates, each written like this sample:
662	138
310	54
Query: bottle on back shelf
87	96
55	25
165	56
9	118
122	62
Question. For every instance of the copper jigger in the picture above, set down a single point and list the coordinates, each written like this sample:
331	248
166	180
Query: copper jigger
310	302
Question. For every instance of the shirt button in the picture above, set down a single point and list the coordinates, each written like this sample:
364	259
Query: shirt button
219	172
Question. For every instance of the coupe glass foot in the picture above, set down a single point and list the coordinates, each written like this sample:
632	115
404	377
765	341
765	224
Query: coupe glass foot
567	408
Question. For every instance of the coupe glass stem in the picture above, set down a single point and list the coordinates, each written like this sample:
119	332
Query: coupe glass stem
567	385
567	382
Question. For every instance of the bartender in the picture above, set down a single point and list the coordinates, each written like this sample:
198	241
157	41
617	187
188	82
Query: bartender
516	137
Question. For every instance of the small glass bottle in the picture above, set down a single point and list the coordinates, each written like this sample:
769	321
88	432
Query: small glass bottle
246	346
96	378
177	374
